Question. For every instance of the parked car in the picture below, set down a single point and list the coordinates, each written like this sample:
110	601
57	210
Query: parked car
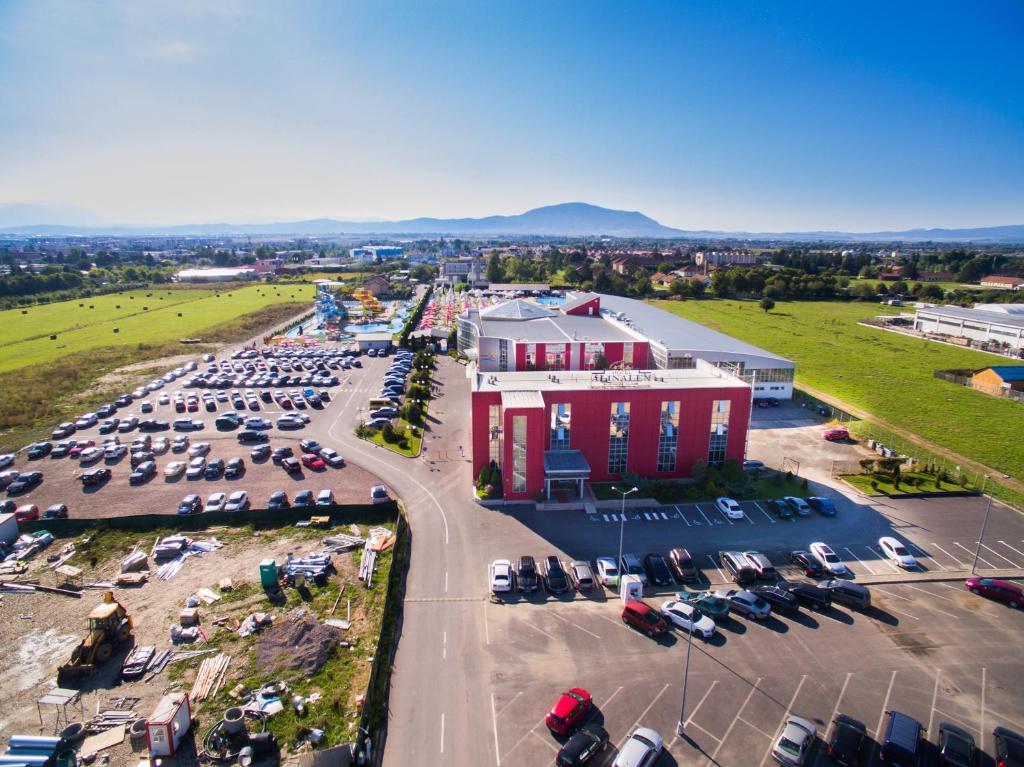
214	469
729	507
304	498
794	742
280	453
630	565
196	468
746	603
174	469
712	606
848	593
252	437
216	501
753	466
836	435
589	741
180	444
379	494
234	468
331	457
897	552
807	562
778	597
682	565
526	575
95	477
309	446
779	508
555	578
581	576
260	453
823	506
39	450
238	501
1001	591
25	482
643	617
26	513
799	505
641	749
956	747
901	740
815	597
1009	748
829	559
738	567
291	465
325	497
847	740
657	570
607	571
500	576
144	471
761	564
278	500
56	511
190	504
313	461
687	617
199	449
569	711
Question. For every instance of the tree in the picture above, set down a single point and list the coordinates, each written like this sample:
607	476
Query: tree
721	285
495	269
767	304
864	291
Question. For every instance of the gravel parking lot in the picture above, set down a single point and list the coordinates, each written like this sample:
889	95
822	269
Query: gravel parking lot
161	494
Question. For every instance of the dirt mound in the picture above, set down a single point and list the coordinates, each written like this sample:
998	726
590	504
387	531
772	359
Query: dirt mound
300	641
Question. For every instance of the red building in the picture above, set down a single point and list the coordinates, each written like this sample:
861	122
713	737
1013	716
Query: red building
545	429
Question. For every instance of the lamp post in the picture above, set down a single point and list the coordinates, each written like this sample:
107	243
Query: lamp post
984	524
622	526
681	727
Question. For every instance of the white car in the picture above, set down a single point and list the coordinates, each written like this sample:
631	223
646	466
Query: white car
688	617
89	455
642	749
216	502
115	451
160	445
729	507
897	552
239	501
163	399
501	576
828	558
198	449
379	494
6	460
196	468
794	742
331	457
174	469
607	571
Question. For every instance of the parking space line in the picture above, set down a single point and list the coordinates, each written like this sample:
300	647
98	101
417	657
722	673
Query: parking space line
680	513
935	696
609	699
1011	548
709	734
700	703
866	566
544	740
922	555
720	573
706	517
971	553
644	713
981	723
573	623
663	515
537	628
782	724
905	599
725	737
723	515
747	517
986	546
753	726
954	718
835	710
770	519
494	722
885	705
442	732
961	564
884	558
929	593
514	697
444	646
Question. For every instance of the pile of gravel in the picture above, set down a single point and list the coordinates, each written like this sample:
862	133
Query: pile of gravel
299	641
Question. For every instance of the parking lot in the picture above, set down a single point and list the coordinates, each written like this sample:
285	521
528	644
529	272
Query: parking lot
350	484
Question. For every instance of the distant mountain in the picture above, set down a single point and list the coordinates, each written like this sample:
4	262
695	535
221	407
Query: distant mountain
571	219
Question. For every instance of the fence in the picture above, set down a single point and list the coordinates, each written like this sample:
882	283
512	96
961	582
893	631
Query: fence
963	378
823	408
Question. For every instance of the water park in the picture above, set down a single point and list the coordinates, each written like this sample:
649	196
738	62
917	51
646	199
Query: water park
341	314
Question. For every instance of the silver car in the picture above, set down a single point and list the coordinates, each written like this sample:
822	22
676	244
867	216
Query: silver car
795	742
745	602
642	749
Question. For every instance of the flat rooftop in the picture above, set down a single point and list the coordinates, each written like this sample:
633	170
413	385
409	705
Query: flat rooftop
703	376
976	315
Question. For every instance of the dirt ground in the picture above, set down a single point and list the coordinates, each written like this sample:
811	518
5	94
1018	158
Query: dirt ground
39	630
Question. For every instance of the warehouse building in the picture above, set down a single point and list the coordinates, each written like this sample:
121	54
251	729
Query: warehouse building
1000	325
217	275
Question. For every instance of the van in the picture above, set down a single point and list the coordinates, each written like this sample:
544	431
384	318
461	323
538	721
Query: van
901	740
376	403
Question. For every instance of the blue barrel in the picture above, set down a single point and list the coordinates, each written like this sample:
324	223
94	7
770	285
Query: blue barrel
29	752
7	761
33	741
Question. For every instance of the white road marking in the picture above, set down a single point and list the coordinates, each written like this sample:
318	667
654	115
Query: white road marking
770	519
725	737
720	573
442	733
683	516
573	623
986	546
700	703
535	628
664	515
971	553
922	555
487	631
644	713
753	726
885	705
494	721
884	558
445	581
520	692
961	564
646	516
866	566
835	710
747	517
935	695
1011	548
981	723
706	517
609	698
605	517
929	593
444	646
782	724
544	740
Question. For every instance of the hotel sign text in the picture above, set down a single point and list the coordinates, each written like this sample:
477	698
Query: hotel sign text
621	378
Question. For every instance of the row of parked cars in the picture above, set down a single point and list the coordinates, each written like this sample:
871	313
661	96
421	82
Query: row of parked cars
392	389
783	508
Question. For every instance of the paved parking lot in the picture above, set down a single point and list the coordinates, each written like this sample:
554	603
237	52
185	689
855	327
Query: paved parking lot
160	494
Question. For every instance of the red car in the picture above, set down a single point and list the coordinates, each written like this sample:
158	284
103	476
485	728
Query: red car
836	435
313	461
569	712
81	445
1001	591
26	513
643	617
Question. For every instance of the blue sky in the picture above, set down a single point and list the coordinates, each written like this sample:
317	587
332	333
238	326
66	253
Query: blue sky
739	115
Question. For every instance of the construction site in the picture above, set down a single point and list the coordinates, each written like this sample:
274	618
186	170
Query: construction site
227	645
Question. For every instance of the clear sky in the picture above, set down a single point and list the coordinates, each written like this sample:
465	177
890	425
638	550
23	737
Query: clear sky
726	115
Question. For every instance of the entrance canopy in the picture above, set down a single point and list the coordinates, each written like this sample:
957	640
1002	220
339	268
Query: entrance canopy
565	466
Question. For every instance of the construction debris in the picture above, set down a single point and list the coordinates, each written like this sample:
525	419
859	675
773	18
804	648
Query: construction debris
135	562
180	548
133	579
254	623
138	661
210	677
340	543
300	642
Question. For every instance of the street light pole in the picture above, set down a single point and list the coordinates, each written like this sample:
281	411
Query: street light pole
622	526
984	524
681	728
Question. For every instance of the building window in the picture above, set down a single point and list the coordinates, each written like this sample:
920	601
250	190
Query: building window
561	417
503	354
494	436
554	357
719	431
686	362
627	354
668	437
531	356
618	440
593	354
519	454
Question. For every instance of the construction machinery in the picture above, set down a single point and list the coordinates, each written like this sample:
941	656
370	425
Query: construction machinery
110	626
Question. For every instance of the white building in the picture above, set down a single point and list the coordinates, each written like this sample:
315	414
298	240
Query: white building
984	324
217	275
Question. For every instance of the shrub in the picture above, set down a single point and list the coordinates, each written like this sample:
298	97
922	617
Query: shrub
867	465
403	443
803	485
483	477
389	434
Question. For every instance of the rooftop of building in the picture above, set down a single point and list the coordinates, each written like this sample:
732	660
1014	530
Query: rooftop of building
216	272
1008	372
522	387
524	320
1013	319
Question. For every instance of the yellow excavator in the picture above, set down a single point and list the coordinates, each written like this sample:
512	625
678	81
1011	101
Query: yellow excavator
110	626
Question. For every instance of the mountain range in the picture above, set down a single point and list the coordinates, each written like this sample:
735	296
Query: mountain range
571	219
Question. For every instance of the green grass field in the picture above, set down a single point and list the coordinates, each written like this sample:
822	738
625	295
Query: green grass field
884	373
141	316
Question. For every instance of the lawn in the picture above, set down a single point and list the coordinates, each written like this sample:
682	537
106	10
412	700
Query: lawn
140	316
884	485
884	373
769	485
404	428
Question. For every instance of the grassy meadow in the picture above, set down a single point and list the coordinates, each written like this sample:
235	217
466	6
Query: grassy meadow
884	373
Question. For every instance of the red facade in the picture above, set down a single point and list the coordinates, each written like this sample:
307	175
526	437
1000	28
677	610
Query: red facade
576	350
589	430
